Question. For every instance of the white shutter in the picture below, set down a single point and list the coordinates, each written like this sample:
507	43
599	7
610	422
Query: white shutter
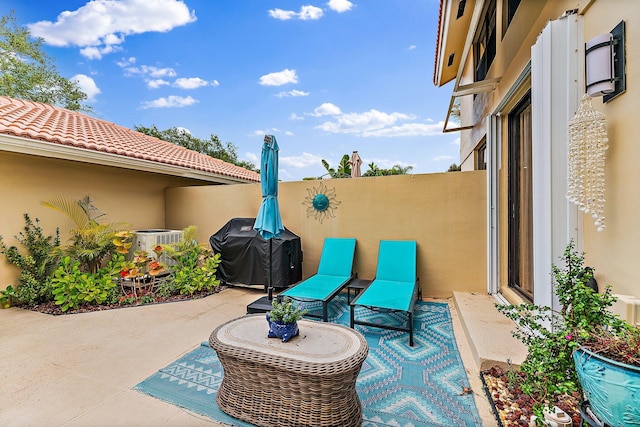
557	64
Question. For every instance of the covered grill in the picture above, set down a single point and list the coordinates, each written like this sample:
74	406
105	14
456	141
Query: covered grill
244	255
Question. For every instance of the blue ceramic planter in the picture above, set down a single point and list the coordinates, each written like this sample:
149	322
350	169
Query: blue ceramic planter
612	388
285	331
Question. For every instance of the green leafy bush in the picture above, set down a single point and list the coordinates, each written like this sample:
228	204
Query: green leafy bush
36	264
72	287
552	336
195	265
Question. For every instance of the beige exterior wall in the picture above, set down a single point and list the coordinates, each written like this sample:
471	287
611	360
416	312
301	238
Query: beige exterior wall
445	213
129	196
614	252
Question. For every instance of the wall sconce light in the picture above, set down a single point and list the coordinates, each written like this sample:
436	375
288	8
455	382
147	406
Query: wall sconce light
605	64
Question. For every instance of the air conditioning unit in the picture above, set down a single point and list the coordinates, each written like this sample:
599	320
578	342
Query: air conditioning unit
147	240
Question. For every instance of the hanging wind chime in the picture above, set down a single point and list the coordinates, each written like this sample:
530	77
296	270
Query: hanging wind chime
587	145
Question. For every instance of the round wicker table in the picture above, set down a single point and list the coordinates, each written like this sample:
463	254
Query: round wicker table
308	381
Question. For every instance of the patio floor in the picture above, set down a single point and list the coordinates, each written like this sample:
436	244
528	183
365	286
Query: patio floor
80	370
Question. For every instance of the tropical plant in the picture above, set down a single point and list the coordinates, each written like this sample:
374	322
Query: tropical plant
194	266
374	170
551	336
27	72
344	168
286	311
36	264
73	287
91	243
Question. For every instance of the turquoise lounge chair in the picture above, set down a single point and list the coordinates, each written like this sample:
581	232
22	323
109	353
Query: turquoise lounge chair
334	273
395	287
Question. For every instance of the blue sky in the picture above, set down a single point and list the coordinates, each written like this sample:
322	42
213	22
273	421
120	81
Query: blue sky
326	78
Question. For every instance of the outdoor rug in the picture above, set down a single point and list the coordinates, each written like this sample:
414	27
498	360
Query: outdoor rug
398	385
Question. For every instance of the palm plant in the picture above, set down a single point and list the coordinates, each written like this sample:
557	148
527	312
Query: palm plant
91	243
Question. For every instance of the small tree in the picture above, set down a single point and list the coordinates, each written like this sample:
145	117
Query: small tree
26	72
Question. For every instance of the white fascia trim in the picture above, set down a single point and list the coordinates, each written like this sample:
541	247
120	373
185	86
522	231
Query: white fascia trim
16	144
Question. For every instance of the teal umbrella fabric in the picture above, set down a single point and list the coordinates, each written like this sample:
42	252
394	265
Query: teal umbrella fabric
268	222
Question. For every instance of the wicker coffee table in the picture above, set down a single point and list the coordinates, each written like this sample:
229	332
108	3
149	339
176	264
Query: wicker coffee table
308	381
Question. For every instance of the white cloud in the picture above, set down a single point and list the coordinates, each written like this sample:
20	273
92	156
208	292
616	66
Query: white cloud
442	158
288	133
183	130
326	109
156	83
373	123
456	142
310	13
413	46
193	83
87	85
145	70
279	78
408	129
169	102
294	116
292	93
99	27
303	161
340	5
263	132
306	13
252	157
362	122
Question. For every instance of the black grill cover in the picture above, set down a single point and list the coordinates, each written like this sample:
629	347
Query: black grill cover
245	255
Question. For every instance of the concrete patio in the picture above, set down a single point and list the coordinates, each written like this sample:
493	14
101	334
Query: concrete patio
80	370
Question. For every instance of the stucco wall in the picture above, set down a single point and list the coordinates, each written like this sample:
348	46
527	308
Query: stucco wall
614	252
133	197
444	213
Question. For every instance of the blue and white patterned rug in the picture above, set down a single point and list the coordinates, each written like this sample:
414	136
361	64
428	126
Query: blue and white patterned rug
398	385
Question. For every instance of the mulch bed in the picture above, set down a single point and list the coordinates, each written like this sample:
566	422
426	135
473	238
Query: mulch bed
53	309
511	406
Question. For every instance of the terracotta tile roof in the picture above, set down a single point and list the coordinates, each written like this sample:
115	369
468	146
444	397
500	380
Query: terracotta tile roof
56	125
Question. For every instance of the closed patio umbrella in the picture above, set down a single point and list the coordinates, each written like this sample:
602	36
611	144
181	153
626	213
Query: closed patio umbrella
268	222
355	161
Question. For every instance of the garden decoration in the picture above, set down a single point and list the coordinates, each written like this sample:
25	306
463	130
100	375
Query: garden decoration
283	319
586	152
321	202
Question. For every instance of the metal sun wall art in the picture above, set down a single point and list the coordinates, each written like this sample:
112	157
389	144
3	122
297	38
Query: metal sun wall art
321	202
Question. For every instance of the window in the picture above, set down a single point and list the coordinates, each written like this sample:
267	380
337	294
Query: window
509	10
481	155
461	6
484	46
520	204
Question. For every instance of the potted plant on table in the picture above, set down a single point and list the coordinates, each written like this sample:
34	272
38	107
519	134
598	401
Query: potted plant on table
283	319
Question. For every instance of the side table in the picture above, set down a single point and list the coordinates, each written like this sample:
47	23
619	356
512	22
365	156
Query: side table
357	285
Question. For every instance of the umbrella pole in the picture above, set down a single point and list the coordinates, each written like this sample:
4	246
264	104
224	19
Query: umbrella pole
270	289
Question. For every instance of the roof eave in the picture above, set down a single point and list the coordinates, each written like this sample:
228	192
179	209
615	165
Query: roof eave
451	39
16	144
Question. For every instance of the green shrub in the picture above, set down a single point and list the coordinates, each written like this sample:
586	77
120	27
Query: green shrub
195	266
36	264
72	287
552	336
